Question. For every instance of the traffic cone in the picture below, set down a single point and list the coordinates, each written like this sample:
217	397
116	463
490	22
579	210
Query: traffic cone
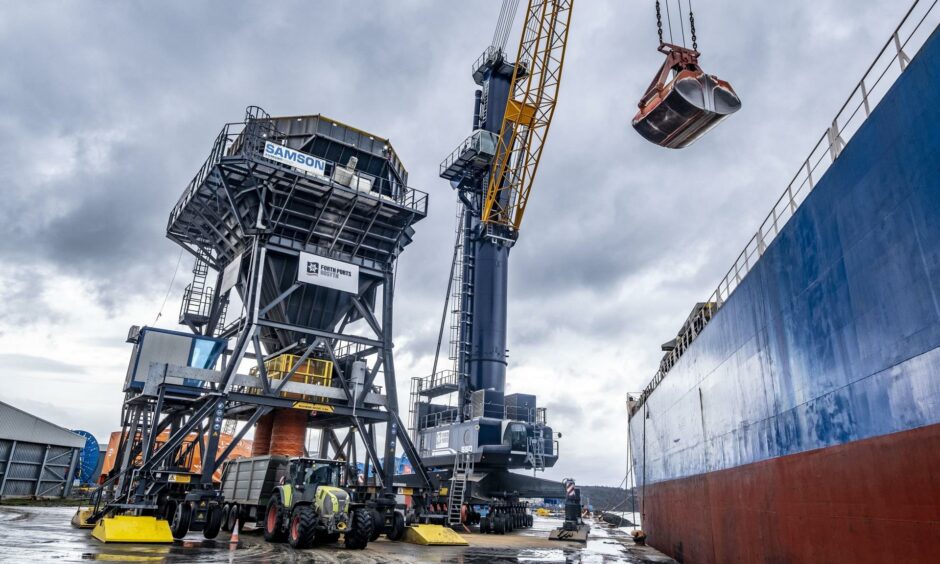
234	539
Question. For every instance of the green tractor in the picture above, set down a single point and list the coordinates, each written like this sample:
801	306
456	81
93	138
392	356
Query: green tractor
309	508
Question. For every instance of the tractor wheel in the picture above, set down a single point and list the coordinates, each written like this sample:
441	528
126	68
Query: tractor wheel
226	511
182	516
213	521
358	537
398	528
234	517
377	522
302	527
273	525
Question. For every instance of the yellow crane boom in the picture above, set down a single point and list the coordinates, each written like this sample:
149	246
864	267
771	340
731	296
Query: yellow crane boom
529	110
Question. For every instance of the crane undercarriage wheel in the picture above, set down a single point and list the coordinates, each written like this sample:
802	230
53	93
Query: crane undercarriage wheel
213	521
182	516
358	537
377	522
398	528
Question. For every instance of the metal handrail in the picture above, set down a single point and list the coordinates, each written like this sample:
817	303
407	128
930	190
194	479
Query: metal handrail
867	93
236	139
440	378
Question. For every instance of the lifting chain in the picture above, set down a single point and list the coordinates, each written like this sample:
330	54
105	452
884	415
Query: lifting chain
659	22
692	26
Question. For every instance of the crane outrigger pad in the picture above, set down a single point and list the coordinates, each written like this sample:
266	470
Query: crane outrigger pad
132	528
80	519
674	114
434	535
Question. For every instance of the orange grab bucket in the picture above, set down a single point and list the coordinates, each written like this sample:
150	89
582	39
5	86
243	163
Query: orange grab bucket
674	114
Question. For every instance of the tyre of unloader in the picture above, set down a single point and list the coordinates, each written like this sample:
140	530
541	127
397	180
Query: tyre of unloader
398	528
213	521
377	522
358	537
181	518
303	524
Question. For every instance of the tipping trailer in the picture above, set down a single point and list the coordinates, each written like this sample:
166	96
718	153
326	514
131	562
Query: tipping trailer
295	499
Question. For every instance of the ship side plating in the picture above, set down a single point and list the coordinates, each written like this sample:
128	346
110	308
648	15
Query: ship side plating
803	423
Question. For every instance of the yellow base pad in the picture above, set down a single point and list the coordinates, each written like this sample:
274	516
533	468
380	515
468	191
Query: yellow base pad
127	528
433	535
80	519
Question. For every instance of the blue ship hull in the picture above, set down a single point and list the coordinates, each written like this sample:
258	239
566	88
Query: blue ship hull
803	423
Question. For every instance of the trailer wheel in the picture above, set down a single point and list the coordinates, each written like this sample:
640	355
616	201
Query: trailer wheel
213	521
484	525
398	528
233	517
182	516
226	511
273	524
358	537
499	525
302	527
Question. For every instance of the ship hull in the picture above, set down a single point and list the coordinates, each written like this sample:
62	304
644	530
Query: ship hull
875	500
803	423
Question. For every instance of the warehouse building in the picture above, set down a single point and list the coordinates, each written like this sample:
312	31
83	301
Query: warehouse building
37	458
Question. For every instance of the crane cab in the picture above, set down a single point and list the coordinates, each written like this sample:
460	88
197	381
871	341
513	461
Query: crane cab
677	110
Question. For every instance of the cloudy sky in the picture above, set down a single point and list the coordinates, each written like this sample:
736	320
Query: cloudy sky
107	109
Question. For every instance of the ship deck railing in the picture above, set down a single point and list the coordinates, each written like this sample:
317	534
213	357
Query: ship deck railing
237	141
905	42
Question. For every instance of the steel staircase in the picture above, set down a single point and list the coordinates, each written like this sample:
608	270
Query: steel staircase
463	468
537	449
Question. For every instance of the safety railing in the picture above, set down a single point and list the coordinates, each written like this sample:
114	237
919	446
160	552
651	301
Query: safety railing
906	41
440	379
480	145
241	140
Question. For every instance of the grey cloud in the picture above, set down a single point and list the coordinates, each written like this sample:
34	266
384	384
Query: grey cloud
14	364
135	93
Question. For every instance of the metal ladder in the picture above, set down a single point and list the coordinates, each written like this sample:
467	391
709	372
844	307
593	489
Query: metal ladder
462	296
463	468
537	449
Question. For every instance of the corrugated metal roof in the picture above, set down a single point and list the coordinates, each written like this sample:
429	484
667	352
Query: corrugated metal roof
17	425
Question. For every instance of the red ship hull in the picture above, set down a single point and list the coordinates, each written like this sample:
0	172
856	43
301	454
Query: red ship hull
870	501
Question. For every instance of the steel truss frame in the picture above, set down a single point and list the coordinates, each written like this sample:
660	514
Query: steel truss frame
139	482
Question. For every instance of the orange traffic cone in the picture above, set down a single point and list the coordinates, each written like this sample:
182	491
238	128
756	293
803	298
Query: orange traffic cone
234	539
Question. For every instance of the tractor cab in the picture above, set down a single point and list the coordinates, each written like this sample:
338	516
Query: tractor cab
316	472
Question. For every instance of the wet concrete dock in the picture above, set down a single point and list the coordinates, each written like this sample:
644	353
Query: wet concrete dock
43	534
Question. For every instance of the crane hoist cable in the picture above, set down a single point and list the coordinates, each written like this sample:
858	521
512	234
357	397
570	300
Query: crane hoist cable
682	103
529	110
507	15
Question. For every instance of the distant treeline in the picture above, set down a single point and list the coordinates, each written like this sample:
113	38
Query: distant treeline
605	498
